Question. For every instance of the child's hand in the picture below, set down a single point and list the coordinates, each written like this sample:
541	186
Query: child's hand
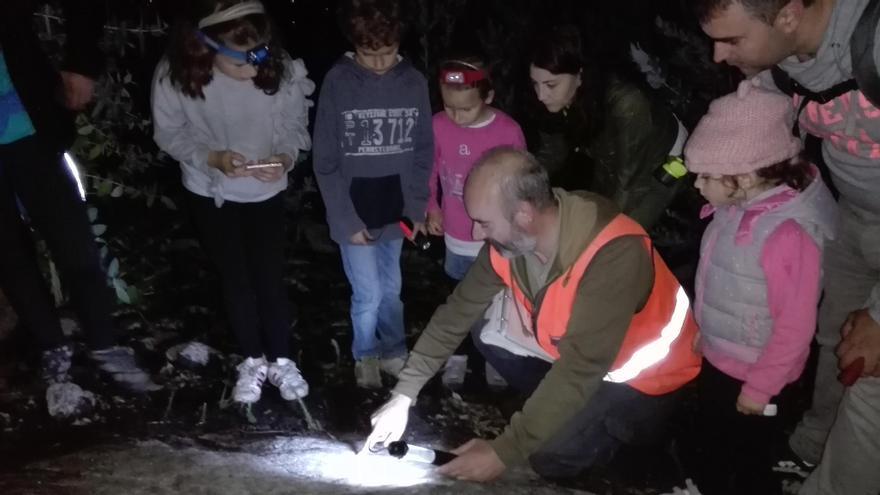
274	174
748	406
228	162
361	238
435	223
418	227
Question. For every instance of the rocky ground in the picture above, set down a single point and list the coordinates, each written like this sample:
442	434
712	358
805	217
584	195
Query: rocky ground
190	438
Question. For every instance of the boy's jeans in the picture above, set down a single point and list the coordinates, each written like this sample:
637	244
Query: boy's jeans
457	265
376	311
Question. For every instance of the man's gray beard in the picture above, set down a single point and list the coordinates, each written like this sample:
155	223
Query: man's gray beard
523	246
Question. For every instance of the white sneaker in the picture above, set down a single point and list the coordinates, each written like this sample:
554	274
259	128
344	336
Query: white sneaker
393	366
251	375
689	489
284	374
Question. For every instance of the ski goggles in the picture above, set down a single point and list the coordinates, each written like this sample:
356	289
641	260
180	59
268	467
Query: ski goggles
255	56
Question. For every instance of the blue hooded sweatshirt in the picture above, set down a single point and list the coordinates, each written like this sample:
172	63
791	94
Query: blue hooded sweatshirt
373	148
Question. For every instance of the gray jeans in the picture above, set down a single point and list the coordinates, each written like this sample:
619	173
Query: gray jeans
851	270
851	459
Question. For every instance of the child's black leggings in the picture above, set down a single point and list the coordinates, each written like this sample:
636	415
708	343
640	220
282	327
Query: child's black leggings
737	450
246	243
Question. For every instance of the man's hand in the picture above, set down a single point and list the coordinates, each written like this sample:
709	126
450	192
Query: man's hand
389	422
749	407
476	461
435	223
861	338
228	162
78	90
361	238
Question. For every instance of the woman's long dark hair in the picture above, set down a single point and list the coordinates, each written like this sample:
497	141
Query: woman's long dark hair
192	62
562	51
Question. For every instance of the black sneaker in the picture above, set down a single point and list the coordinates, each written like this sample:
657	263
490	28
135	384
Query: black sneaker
55	364
791	464
119	364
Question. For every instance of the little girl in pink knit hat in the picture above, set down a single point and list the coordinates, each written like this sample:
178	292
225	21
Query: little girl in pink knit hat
758	280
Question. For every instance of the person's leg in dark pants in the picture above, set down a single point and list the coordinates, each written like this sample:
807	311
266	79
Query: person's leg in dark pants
20	275
716	420
222	234
736	449
264	238
522	373
616	414
43	184
33	172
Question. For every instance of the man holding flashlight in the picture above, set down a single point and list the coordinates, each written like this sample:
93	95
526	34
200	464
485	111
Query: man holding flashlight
595	329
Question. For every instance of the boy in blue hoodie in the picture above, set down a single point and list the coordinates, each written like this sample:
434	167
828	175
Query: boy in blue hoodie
373	152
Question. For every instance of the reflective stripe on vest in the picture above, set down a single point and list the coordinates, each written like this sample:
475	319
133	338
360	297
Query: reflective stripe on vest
656	354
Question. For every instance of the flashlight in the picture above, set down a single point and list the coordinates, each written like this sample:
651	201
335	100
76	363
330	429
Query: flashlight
401	450
255	56
420	240
454	77
463	76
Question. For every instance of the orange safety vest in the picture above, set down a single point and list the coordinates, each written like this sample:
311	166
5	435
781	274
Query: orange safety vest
657	355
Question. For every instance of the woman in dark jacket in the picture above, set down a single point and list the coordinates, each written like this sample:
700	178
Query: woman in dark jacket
600	132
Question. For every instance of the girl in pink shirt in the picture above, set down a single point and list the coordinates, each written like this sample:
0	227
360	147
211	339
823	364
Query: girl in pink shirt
758	280
466	128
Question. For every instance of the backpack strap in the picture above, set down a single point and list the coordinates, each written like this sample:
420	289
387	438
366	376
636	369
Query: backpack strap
782	80
865	74
862	44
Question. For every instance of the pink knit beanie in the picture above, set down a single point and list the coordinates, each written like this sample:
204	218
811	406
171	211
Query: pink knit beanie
742	132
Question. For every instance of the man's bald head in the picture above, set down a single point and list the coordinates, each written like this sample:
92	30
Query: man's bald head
511	175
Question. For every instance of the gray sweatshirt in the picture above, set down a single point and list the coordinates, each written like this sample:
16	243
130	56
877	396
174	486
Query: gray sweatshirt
374	148
849	125
234	115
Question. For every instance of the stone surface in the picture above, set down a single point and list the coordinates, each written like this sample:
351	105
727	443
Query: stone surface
277	465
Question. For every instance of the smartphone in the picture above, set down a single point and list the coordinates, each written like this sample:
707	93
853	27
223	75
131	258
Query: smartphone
253	166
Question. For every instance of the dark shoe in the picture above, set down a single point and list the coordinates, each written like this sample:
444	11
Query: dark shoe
367	373
119	364
55	364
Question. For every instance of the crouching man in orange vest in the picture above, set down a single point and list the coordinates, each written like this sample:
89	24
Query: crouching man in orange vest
584	318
